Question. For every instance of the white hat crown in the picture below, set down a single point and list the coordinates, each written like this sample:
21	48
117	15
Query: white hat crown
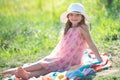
76	7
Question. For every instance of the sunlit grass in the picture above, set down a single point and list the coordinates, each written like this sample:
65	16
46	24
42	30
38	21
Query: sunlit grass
29	30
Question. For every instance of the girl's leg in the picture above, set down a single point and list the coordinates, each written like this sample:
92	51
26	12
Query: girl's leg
9	71
32	67
21	73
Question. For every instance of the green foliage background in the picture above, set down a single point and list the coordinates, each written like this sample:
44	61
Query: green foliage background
30	29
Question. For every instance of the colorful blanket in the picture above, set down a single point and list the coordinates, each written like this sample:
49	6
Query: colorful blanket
90	67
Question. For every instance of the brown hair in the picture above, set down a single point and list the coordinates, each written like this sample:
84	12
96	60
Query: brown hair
68	25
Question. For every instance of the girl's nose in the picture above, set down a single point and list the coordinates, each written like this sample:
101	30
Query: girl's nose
73	16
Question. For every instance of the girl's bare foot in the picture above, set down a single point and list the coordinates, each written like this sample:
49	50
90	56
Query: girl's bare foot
21	73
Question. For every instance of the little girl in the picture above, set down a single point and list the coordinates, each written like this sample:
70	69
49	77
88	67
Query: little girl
68	52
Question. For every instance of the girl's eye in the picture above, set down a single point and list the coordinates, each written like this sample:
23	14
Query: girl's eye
70	14
77	14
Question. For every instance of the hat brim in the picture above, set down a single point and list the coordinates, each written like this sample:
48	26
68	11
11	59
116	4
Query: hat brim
63	17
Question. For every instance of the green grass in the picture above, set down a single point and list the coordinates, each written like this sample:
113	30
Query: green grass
29	30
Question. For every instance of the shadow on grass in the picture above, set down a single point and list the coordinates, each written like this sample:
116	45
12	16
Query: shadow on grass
89	77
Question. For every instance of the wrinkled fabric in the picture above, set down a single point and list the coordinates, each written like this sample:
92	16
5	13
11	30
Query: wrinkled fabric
68	52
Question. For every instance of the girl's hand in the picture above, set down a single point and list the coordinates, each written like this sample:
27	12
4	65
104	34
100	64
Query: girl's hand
100	59
104	60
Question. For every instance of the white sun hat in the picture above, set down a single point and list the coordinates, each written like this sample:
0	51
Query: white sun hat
73	8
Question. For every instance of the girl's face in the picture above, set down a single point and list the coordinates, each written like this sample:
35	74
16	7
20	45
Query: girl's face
75	18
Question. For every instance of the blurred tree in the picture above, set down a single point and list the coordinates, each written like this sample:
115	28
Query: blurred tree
109	2
39	4
112	6
53	10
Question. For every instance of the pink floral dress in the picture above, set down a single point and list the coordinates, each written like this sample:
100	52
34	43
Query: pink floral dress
68	52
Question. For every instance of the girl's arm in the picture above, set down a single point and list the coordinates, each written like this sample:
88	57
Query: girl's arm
86	34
